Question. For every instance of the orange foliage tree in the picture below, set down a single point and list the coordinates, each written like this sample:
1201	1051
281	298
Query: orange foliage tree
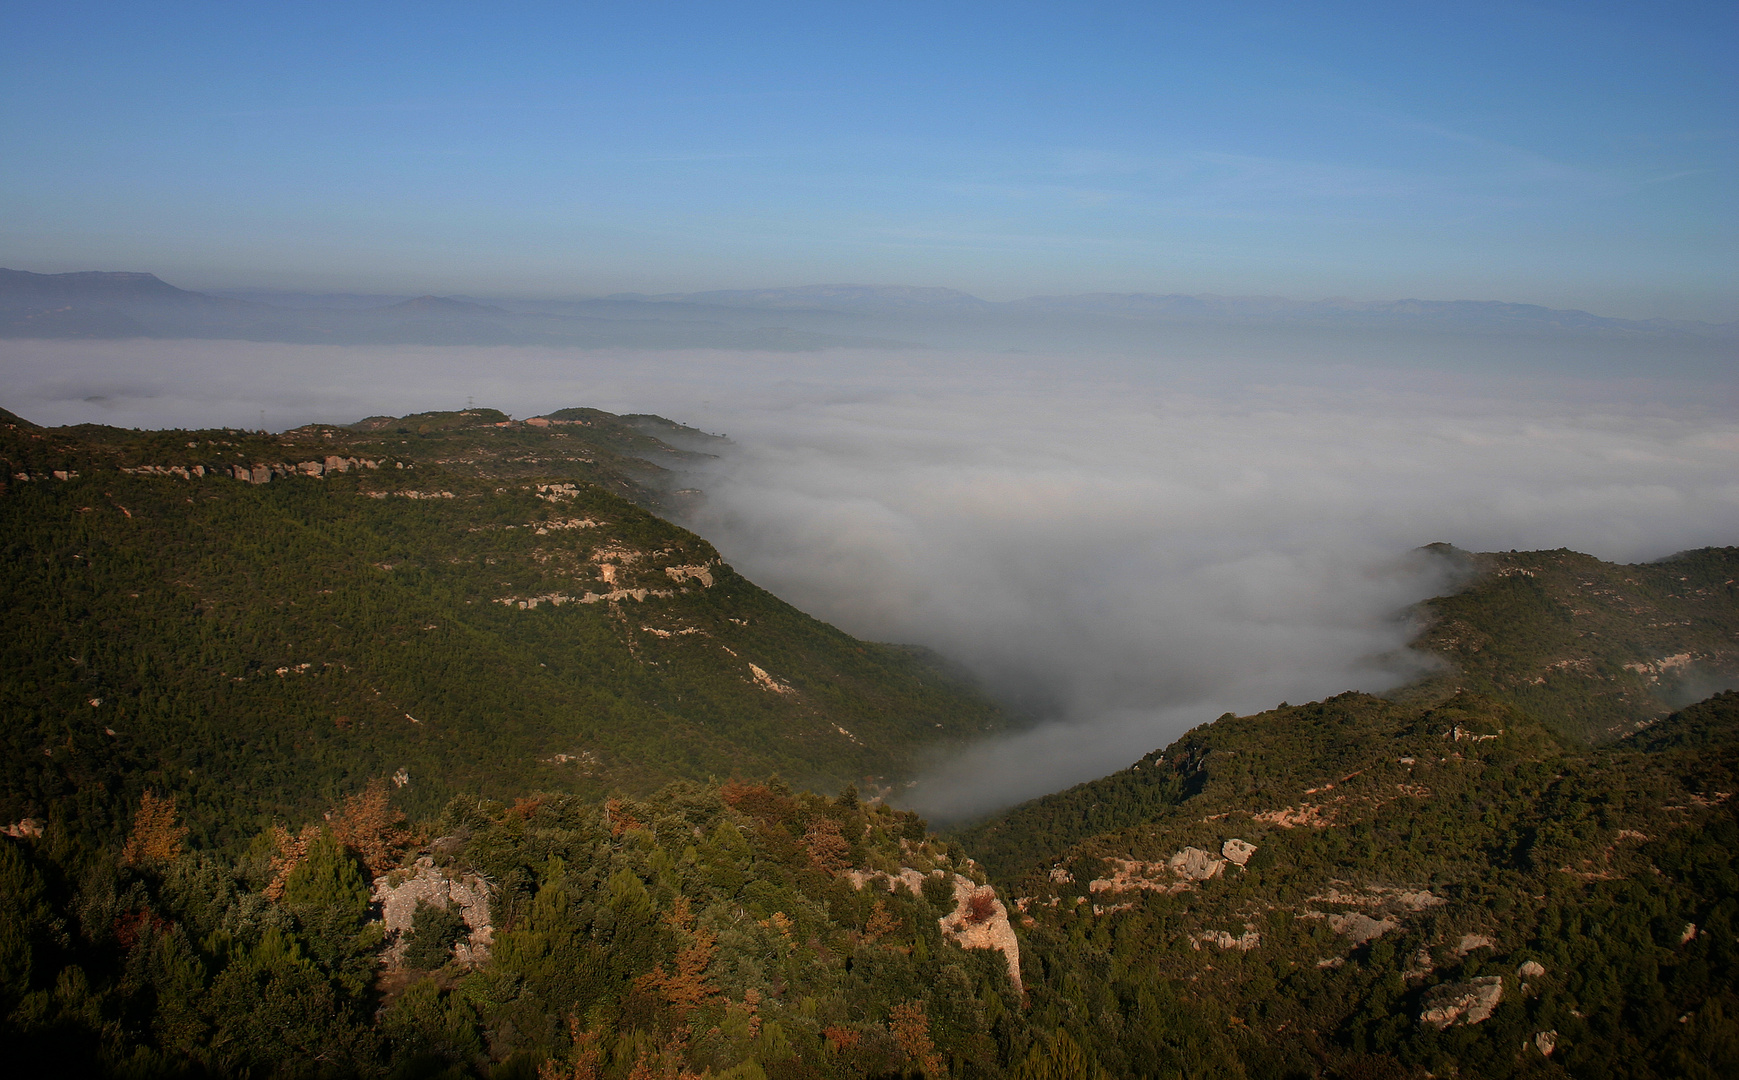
157	834
291	851
911	1029
828	851
621	821
685	989
369	825
585	1060
881	921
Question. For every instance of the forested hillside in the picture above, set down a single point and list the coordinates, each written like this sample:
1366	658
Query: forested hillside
737	931
1595	649
456	601
1363	888
424	747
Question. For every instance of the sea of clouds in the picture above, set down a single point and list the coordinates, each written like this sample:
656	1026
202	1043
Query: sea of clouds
1120	548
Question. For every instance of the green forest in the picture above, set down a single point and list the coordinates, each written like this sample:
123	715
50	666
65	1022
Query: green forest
426	747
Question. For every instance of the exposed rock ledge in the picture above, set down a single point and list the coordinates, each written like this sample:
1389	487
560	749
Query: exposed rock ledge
1176	874
430	885
1470	1002
979	920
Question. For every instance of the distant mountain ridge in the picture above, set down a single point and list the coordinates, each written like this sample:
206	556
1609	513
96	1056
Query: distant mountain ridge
127	304
1174	306
107	305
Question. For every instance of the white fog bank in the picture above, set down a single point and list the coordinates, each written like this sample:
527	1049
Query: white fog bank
1124	549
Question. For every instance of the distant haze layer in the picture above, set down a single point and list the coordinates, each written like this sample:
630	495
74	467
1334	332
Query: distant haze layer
1122	549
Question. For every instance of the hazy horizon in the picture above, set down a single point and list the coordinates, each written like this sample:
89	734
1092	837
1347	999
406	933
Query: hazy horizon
1572	156
382	293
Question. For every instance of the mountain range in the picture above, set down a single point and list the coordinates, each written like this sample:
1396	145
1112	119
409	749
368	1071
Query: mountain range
111	305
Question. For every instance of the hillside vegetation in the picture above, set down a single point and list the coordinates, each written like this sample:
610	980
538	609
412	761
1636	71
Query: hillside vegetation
1361	888
423	747
456	601
1595	649
737	931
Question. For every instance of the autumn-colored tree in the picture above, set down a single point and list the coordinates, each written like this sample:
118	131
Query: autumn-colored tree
369	825
621	821
840	1039
828	851
291	851
157	834
687	988
911	1029
782	923
759	801
881	921
584	1059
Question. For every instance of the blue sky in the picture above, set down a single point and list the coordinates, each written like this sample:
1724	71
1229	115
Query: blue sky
1573	154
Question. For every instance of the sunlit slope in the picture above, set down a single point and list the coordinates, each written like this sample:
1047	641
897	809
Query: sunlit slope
1595	649
487	618
1590	649
1521	865
1366	887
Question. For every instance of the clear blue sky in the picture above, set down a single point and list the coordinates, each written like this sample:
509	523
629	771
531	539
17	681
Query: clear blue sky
1575	154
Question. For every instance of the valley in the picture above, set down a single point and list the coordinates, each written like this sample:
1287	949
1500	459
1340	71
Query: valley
429	746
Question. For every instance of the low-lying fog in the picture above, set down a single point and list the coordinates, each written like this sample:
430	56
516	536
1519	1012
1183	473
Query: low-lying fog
1123	549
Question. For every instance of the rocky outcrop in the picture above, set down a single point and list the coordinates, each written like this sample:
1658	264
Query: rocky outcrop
1176	874
1360	927
26	829
1244	942
1469	1003
399	893
767	682
979	920
1472	942
1237	851
257	474
558	599
702	574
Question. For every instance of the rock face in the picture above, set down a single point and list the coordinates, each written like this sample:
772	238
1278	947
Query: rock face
1176	874
1361	927
1531	969
1470	1002
429	885
1244	942
979	920
1237	851
1194	864
1471	942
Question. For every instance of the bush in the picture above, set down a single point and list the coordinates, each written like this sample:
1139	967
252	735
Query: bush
434	931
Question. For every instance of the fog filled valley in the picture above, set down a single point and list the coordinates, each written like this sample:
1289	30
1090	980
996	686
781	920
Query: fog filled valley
1346	702
1116	547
